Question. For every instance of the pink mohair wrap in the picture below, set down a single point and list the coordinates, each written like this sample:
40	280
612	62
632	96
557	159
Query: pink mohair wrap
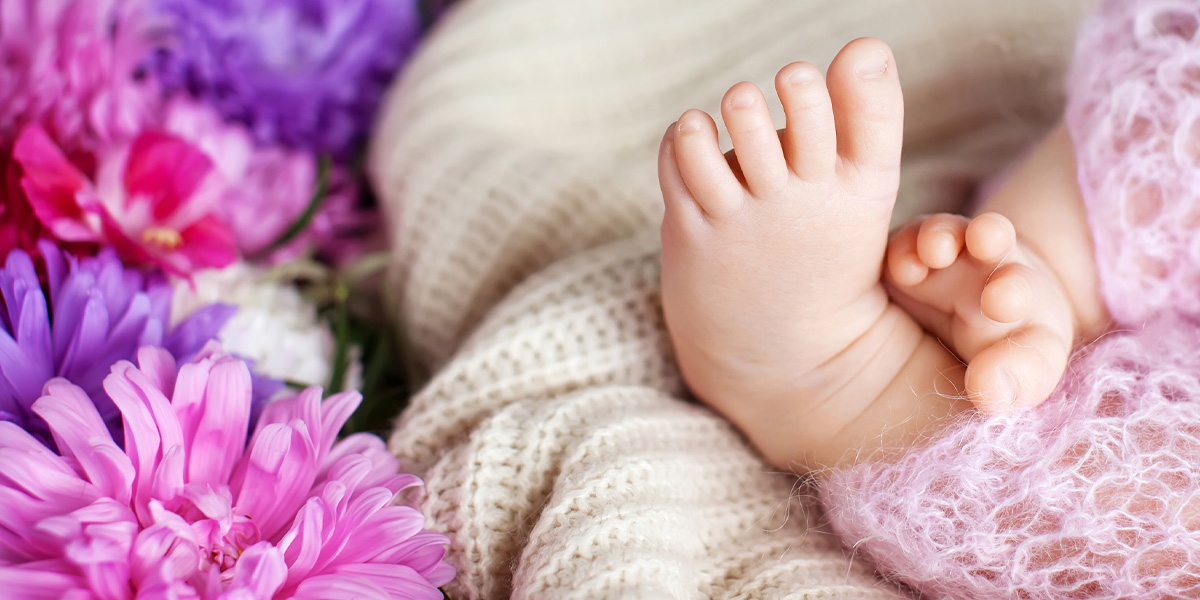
1095	494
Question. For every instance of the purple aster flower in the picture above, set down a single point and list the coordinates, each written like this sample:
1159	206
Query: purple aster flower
190	510
90	313
303	73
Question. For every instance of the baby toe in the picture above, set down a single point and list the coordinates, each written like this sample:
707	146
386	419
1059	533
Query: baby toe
1009	294
990	237
940	240
904	266
703	166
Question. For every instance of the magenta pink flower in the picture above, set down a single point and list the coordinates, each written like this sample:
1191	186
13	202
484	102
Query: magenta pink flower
267	188
189	510
154	200
72	66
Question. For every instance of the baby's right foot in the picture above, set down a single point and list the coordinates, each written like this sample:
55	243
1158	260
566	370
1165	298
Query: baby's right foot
771	267
994	301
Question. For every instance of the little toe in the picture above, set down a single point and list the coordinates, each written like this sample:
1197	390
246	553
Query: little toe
1019	371
904	266
941	239
678	200
1009	294
755	140
810	140
868	106
703	167
990	237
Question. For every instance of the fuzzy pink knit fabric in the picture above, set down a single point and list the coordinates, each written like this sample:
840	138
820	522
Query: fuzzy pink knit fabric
1095	494
1134	113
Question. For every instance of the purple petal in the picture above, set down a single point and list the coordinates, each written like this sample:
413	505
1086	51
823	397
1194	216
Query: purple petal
200	328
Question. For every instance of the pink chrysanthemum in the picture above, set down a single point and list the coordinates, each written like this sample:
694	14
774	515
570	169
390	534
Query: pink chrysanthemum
71	66
189	510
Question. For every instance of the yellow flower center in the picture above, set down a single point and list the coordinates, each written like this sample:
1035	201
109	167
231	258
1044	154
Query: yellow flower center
163	237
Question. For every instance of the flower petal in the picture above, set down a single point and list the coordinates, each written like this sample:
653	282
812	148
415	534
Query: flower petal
259	569
53	185
219	439
82	435
273	480
31	582
164	170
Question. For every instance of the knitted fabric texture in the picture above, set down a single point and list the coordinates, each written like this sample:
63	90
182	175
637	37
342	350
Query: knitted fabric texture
1095	494
516	161
1135	117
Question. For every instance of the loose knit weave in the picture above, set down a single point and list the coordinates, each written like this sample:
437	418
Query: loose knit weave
1096	494
516	161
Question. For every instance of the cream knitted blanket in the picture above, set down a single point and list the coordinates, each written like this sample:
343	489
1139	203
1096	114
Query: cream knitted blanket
516	163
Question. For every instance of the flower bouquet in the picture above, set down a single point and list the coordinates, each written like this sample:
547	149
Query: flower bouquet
184	241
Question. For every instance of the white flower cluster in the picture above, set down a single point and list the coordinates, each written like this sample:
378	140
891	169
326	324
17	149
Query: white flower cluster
274	325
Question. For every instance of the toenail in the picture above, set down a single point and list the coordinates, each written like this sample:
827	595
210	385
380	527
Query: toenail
801	76
688	125
742	101
873	66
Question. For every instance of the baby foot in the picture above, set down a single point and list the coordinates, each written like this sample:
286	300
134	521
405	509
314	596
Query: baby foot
772	258
992	300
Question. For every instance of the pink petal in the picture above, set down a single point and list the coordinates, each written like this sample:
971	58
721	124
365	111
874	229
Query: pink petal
207	243
53	186
159	367
335	411
273	481
169	479
164	170
260	569
82	435
142	440
31	583
342	587
220	436
167	549
383	466
303	543
400	581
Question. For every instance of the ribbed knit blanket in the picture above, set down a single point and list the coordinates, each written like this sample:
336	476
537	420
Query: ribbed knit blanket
516	163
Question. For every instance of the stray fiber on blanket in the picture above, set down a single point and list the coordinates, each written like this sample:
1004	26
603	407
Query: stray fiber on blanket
1095	494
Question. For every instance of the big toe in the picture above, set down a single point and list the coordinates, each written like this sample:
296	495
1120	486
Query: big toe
868	106
1019	371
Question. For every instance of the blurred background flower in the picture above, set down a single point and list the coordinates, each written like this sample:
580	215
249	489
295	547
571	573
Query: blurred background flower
155	200
275	326
307	74
72	67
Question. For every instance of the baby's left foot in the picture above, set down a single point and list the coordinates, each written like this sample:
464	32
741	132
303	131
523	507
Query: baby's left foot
994	302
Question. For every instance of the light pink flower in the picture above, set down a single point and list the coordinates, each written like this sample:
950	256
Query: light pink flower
71	66
155	200
267	188
189	510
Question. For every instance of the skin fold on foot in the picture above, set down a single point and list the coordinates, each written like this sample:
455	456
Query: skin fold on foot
772	260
